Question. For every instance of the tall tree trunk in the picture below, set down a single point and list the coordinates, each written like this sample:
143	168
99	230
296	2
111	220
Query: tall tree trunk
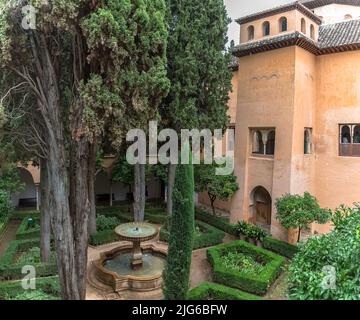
45	221
299	235
212	201
139	192
91	179
171	181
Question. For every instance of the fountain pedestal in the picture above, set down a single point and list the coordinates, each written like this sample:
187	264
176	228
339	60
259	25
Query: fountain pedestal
136	261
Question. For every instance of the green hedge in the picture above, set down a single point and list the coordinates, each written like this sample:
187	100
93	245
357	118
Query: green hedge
210	236
24	234
217	222
20	215
257	283
214	291
49	285
10	270
3	225
283	248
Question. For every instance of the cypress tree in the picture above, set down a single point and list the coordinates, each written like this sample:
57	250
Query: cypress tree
177	271
197	68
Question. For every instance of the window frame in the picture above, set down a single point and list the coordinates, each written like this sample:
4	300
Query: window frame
349	149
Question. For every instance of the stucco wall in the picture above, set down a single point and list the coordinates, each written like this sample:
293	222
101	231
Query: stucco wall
336	12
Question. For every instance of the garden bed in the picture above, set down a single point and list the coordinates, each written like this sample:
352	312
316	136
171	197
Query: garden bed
214	291
257	268
21	253
46	289
283	248
26	232
220	223
206	236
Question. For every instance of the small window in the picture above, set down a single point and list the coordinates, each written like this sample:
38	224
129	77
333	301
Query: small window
312	32
348	17
257	145
303	26
307	140
283	25
266	28
270	145
345	135
356	138
251	33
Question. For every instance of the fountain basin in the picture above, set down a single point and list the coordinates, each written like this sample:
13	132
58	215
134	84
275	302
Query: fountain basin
114	268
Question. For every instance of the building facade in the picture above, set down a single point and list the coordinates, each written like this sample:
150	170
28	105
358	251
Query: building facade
297	100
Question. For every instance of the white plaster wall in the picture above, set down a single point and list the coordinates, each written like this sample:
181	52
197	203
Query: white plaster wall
336	12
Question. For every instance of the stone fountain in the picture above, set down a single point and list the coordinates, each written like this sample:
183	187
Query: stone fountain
137	266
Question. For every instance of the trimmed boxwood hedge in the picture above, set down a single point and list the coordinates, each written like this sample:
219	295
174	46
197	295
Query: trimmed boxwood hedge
283	248
20	215
24	234
257	283
214	291
209	238
10	270
217	222
3	225
49	285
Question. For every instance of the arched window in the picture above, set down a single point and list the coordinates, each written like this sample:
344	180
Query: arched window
258	145
303	26
251	33
307	141
270	145
266	28
345	135
283	24
348	17
312	32
356	138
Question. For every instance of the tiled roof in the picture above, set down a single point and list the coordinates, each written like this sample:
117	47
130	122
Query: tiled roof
339	34
338	37
311	4
280	9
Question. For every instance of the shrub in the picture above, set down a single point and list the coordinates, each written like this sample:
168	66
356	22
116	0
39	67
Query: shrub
32	295
250	231
33	256
217	222
257	283
214	291
106	223
48	285
298	212
283	248
11	269
207	236
6	207
327	267
25	232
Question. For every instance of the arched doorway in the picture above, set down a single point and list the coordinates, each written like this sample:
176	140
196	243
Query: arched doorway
261	206
27	197
103	189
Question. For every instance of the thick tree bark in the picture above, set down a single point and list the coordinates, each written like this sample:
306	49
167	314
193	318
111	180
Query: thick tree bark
171	181
45	223
139	192
91	179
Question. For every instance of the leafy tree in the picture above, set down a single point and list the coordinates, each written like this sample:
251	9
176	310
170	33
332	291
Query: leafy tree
197	68
298	212
90	69
177	271
327	267
217	186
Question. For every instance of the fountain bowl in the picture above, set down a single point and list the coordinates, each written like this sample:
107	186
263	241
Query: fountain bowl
122	282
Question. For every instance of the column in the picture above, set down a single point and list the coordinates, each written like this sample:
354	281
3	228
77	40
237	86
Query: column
37	188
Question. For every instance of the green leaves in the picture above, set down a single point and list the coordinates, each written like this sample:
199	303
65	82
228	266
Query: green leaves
295	211
340	250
